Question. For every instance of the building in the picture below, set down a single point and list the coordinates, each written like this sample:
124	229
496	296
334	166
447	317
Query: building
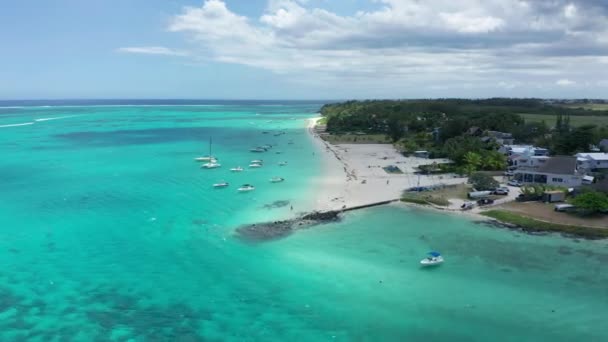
422	154
527	161
523	150
603	145
558	171
592	162
501	138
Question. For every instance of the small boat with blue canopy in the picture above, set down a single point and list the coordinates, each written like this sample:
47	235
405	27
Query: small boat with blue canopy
433	259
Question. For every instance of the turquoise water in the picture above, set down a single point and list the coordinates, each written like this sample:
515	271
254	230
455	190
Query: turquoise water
111	232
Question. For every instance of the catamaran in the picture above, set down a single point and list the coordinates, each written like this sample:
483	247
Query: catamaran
237	169
277	180
208	158
213	164
246	188
433	259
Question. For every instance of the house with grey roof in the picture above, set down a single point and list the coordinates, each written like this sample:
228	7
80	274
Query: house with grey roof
592	162
558	171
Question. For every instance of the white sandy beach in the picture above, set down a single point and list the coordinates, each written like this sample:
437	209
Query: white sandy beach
354	175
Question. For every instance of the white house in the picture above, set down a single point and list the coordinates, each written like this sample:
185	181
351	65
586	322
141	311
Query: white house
559	171
592	162
528	161
525	150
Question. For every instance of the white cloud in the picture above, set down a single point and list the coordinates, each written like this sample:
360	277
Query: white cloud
491	43
565	82
152	50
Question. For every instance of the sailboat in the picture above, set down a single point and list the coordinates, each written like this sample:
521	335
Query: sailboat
209	158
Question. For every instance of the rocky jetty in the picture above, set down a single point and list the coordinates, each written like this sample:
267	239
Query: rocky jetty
268	231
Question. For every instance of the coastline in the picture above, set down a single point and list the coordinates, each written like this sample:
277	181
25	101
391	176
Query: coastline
353	176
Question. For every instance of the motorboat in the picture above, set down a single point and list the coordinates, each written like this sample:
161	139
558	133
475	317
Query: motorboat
211	165
277	179
237	169
255	165
283	163
266	147
221	185
246	188
433	259
257	161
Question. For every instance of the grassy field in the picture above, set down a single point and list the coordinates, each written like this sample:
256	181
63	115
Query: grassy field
533	225
590	106
574	120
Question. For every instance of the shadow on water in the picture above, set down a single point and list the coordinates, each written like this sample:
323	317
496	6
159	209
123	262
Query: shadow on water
145	136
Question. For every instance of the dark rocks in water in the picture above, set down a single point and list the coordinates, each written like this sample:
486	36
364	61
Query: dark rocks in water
322	216
279	229
276	204
266	231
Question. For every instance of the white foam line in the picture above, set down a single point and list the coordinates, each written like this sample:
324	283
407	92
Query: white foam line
20	124
57	118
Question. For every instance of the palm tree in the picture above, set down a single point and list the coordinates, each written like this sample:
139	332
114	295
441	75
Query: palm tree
473	159
494	161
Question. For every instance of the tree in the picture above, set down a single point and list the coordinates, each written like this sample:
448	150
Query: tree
591	202
395	129
473	159
494	160
482	182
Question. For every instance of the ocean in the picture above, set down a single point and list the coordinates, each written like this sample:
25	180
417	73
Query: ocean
112	232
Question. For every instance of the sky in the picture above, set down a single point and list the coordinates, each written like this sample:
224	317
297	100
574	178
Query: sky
303	49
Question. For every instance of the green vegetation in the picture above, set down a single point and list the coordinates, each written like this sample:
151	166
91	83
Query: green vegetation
483	182
453	128
322	121
575	121
589	106
357	139
591	202
425	199
533	225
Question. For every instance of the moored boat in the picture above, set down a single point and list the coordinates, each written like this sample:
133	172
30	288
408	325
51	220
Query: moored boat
237	169
433	259
221	185
283	163
246	188
211	165
255	165
257	150
277	179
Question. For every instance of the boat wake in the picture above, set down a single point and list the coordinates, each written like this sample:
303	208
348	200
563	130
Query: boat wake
19	124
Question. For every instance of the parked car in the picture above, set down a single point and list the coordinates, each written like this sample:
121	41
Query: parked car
509	173
467	206
513	182
501	191
564	207
419	189
485	201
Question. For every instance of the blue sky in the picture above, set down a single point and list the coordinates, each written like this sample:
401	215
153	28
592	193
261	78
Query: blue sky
296	49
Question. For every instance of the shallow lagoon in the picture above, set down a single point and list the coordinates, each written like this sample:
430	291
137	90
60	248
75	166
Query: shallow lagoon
111	232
